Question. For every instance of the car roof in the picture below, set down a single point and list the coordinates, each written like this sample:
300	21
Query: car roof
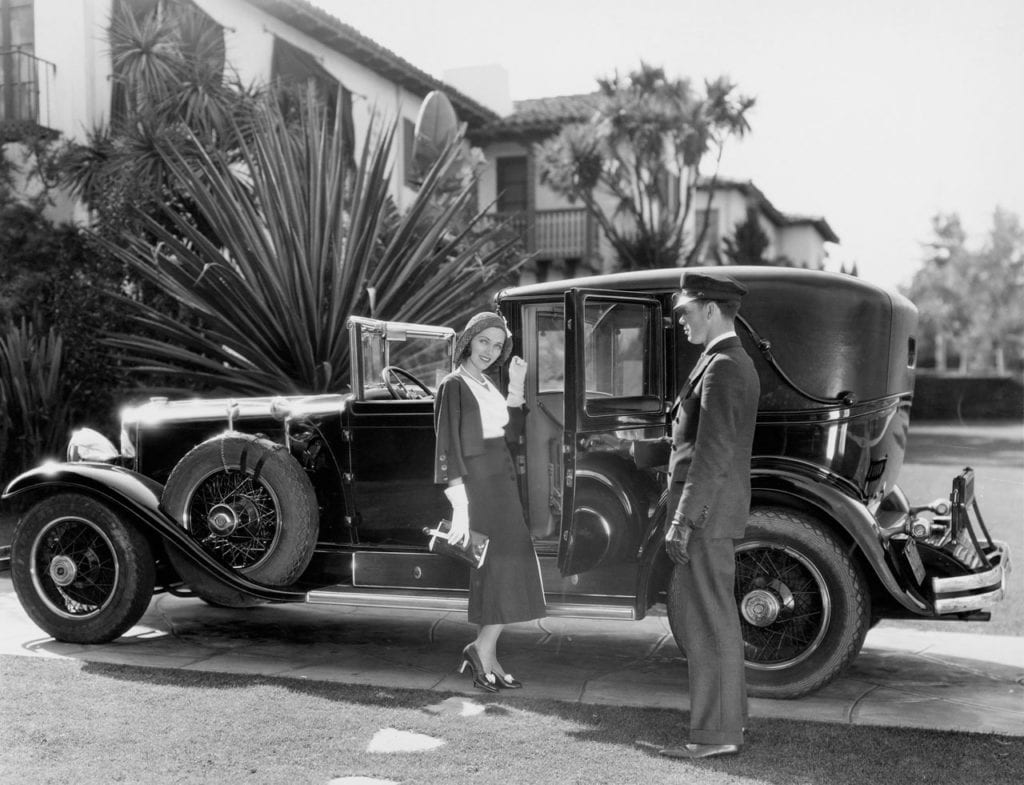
666	279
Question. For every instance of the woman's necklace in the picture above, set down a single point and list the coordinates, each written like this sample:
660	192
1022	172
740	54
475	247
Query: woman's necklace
482	381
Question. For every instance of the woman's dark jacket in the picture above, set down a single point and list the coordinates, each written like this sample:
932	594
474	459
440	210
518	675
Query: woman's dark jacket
459	431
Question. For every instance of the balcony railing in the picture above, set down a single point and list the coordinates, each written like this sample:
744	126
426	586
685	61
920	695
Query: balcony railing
564	233
25	82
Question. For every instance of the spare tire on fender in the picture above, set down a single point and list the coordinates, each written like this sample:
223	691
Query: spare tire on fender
249	504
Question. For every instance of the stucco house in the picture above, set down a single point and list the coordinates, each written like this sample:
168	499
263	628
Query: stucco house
55	79
55	66
564	238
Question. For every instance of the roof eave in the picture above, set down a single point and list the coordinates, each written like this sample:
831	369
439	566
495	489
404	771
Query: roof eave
346	40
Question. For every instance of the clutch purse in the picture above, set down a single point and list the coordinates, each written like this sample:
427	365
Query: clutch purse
472	553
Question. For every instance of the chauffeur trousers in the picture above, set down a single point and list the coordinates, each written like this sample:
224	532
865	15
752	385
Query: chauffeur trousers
713	643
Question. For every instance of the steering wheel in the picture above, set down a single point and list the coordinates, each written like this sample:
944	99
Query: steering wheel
392	378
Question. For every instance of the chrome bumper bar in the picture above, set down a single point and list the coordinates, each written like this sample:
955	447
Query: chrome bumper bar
965	593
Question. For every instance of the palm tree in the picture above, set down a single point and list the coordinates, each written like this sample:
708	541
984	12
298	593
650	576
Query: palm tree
170	89
645	146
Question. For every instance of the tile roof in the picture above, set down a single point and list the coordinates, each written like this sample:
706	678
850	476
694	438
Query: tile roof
541	116
345	39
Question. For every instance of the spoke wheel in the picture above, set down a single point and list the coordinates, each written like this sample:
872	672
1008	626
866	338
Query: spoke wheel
785	604
803	604
80	572
249	504
235	517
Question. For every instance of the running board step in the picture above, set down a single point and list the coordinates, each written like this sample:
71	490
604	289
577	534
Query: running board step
444	601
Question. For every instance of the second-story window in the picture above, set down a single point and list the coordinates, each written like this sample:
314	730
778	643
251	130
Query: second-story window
512	184
18	88
412	177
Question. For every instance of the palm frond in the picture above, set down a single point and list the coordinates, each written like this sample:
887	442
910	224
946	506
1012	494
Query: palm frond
282	242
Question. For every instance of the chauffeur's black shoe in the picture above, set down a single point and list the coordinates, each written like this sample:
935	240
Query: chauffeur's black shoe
696	751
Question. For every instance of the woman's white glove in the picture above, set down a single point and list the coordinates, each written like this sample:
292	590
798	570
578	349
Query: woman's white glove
459	533
516	382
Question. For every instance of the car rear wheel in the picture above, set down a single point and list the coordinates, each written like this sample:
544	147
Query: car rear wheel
803	603
250	505
81	573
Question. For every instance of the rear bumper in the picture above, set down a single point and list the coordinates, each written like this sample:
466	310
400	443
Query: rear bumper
977	590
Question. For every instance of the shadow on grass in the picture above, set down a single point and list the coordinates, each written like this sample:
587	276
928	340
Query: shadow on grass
780	752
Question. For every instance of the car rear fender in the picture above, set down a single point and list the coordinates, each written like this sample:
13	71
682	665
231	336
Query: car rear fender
787	486
138	498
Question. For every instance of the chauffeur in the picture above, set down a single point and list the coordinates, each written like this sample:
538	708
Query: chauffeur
709	496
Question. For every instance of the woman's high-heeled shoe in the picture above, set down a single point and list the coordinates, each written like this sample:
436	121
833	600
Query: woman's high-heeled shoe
507	682
481	680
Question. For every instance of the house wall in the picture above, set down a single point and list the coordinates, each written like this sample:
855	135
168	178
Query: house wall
803	245
249	44
72	34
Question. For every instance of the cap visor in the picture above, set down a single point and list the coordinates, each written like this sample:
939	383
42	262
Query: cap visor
680	299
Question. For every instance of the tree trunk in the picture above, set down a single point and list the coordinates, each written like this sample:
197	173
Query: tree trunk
940	351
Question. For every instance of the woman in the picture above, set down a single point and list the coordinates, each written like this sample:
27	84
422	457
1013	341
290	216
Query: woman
472	458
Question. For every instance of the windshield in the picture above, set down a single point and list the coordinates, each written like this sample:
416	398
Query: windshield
422	352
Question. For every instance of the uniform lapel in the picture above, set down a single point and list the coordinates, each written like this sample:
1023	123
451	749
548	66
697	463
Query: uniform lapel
695	374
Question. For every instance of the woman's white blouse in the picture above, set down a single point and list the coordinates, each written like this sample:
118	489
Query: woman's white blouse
493	409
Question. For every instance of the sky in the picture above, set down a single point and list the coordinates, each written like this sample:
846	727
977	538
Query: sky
874	114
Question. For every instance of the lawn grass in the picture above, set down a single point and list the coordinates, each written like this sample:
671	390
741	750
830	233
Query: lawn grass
92	724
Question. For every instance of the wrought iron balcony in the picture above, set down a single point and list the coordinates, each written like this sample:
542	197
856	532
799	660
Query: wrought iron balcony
565	233
25	84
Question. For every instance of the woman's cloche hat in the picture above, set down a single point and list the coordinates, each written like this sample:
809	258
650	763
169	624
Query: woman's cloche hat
476	325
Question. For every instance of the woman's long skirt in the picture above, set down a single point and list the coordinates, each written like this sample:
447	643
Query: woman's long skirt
508	587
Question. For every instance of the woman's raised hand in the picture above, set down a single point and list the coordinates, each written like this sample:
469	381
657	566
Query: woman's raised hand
517	382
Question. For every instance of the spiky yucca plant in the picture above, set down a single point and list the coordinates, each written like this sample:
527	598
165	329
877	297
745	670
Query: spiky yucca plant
34	413
292	243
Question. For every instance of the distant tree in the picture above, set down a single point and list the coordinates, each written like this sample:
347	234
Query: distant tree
748	242
996	286
972	301
937	290
644	147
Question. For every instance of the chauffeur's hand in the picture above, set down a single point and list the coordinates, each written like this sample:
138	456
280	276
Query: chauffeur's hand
677	542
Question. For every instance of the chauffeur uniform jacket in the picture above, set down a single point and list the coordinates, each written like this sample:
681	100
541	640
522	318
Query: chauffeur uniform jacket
713	420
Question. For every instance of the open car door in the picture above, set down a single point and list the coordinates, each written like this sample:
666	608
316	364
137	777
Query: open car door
614	382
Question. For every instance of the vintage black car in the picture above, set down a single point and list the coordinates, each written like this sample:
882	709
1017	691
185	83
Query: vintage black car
324	499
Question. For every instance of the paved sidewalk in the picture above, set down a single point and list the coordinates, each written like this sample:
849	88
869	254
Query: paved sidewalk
903	677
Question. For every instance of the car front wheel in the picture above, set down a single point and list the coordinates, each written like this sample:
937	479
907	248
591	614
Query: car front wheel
80	572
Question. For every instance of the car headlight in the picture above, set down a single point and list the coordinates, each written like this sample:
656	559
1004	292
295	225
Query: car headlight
89	445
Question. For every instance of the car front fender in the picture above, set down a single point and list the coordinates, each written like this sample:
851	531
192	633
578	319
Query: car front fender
138	498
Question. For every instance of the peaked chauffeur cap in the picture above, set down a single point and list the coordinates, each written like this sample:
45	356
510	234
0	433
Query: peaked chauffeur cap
705	286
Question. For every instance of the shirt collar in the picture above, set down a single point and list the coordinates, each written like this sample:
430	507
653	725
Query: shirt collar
715	341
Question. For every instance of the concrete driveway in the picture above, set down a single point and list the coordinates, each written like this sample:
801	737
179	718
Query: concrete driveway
903	677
